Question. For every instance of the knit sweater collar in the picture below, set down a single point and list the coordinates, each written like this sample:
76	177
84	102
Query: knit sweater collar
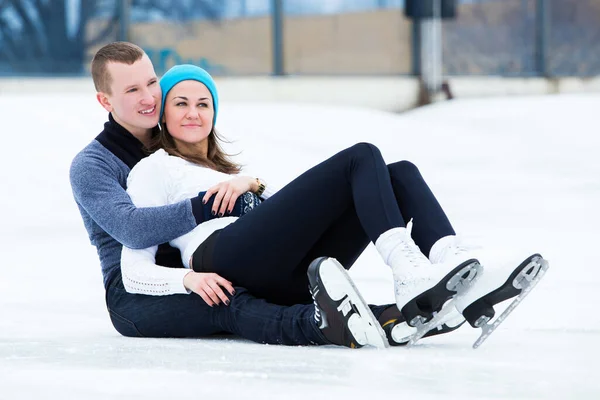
121	143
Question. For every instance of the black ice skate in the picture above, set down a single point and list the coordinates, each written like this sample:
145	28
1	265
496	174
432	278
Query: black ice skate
340	311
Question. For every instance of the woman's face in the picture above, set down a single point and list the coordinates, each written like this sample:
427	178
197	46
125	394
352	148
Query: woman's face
189	112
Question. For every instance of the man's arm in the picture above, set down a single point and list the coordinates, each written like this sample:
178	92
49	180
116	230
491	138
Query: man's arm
97	190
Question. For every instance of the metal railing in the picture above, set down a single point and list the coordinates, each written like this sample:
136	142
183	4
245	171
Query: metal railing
304	37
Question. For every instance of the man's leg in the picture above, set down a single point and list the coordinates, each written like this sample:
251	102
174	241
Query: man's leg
254	319
189	316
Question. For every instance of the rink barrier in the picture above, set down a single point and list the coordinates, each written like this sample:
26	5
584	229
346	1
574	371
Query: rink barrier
390	93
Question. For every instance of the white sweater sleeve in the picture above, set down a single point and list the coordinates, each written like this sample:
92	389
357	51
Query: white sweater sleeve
141	274
147	187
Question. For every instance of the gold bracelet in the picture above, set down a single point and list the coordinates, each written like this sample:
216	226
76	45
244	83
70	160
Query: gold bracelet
261	188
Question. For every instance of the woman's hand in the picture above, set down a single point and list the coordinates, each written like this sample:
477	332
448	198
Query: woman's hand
227	193
209	286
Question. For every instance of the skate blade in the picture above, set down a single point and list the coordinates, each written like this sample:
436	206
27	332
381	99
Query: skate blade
445	314
455	284
366	333
527	285
439	319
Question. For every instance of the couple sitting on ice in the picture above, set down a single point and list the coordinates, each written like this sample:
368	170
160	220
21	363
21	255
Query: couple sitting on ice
243	259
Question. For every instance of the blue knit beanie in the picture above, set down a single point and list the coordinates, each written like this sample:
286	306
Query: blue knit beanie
185	72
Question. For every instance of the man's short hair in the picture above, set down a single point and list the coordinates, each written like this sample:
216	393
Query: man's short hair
120	52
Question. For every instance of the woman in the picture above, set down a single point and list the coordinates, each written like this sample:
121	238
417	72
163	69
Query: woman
334	210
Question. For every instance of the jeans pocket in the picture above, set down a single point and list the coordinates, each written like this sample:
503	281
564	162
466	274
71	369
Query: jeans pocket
124	326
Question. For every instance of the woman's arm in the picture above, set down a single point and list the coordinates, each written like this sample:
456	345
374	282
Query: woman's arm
222	197
142	276
226	194
149	185
269	190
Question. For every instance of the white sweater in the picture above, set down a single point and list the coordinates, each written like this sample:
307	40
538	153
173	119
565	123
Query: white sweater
159	180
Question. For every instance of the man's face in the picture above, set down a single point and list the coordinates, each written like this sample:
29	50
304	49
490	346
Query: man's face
135	95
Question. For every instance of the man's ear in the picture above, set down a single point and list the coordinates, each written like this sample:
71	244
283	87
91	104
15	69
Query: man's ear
104	101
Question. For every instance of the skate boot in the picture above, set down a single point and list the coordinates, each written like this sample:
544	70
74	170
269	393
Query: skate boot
399	333
451	250
340	311
422	288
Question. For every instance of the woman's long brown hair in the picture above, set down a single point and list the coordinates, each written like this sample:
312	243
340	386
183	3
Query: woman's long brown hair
216	158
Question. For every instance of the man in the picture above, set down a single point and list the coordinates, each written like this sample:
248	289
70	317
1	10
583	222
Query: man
127	87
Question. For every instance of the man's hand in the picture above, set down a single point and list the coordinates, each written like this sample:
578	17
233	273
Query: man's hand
227	193
208	286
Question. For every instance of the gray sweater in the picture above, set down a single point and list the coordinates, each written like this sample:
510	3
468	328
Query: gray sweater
98	179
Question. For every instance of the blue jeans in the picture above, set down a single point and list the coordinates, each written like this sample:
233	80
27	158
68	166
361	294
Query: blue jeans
187	315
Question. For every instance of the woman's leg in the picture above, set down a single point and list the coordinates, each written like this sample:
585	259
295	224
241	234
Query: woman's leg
267	249
345	239
417	202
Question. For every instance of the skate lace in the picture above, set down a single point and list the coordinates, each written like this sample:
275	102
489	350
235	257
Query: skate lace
413	253
314	293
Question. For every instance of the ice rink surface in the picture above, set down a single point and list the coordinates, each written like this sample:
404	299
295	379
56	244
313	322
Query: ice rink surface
515	175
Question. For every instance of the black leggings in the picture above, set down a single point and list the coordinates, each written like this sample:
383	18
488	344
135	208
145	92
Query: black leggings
334	209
